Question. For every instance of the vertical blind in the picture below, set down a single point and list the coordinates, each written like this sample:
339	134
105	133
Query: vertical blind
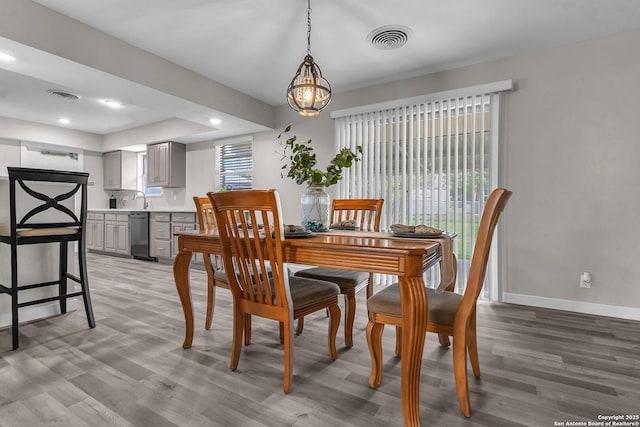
235	165
434	161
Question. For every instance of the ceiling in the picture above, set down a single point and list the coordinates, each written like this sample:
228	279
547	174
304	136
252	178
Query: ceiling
255	47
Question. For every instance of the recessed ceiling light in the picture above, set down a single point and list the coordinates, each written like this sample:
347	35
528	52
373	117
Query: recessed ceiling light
64	120
5	57
64	94
215	121
112	103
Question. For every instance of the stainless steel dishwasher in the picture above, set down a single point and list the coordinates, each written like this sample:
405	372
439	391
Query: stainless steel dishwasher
139	229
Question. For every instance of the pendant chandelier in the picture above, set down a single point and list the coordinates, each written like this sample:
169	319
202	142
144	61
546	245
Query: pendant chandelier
309	92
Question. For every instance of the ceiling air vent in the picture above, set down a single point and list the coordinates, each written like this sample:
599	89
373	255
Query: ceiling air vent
389	37
63	94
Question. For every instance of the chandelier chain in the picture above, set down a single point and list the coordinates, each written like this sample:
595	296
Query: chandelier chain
309	92
309	26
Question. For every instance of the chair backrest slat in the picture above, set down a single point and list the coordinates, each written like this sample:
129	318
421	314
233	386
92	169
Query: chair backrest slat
366	212
204	210
251	233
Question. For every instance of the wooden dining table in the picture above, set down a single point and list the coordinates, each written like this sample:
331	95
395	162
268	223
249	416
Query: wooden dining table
380	253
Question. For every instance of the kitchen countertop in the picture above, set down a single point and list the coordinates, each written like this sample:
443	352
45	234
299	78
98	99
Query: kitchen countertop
143	210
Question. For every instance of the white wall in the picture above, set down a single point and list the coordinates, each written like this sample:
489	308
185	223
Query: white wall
571	148
267	162
9	154
571	159
21	130
201	172
96	196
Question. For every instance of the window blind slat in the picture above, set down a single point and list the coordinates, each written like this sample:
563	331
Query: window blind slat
235	166
432	163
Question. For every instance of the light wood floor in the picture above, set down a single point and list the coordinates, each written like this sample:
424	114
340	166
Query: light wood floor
538	366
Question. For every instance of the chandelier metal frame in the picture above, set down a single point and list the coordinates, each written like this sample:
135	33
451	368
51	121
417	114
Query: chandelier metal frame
309	92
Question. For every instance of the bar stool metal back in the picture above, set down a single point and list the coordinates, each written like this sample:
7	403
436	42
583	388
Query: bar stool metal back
37	217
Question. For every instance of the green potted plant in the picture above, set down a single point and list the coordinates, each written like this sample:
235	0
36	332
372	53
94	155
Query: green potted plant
301	167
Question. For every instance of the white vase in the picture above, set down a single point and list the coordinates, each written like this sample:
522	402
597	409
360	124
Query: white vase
315	203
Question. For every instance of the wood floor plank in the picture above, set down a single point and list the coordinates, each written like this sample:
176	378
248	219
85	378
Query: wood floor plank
16	414
50	412
94	413
538	366
115	396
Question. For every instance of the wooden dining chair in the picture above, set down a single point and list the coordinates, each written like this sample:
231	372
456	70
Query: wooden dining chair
204	212
450	314
216	275
251	254
366	213
41	204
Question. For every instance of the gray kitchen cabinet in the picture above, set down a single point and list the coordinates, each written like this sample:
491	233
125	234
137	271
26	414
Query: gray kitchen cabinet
163	244
160	235
95	231
181	222
166	164
120	170
116	233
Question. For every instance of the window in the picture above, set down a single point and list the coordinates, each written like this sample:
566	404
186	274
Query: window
434	159
235	165
142	177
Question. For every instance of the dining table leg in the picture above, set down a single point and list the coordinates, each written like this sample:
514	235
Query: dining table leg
413	298
181	277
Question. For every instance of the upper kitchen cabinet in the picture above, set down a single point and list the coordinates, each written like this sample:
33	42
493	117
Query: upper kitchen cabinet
120	170
166	164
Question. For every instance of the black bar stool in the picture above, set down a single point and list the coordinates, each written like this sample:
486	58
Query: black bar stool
29	227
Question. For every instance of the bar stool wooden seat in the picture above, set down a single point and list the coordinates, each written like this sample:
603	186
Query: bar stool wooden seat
50	221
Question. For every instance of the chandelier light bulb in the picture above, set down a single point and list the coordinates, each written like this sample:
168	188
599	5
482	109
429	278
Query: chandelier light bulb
308	95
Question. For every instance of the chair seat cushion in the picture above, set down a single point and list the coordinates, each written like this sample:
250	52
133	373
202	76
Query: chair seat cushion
442	306
47	232
5	230
221	275
343	278
305	292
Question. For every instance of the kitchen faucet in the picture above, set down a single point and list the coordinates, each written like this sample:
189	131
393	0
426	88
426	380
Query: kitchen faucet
145	204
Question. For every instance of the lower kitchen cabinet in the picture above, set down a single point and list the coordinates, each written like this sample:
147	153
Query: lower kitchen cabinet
160	235
163	225
116	233
109	232
95	231
181	222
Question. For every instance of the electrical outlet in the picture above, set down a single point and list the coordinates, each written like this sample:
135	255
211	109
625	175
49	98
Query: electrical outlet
585	280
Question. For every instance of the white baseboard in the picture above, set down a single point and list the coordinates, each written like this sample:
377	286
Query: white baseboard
26	314
629	313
